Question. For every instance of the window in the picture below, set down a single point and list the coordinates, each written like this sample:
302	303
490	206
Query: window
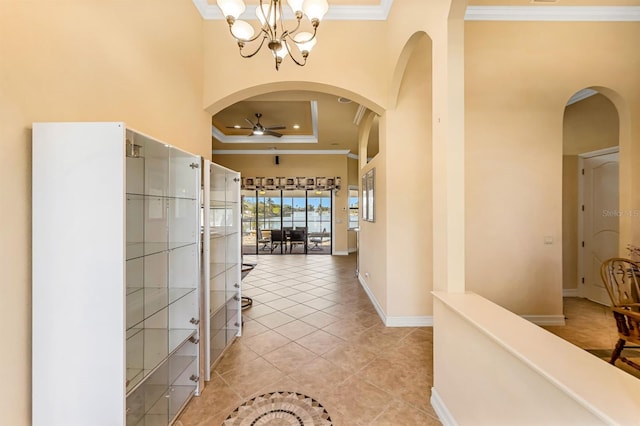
353	208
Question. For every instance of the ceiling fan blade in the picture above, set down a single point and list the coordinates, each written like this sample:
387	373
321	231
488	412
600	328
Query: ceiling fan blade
250	122
272	133
234	127
275	127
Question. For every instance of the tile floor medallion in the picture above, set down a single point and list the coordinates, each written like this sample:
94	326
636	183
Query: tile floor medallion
280	408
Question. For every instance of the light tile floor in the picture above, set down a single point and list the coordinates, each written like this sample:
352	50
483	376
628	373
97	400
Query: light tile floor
313	330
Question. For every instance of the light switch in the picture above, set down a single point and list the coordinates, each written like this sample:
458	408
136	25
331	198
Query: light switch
548	239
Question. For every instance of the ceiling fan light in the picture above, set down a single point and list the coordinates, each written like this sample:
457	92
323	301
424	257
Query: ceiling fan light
305	41
242	30
263	11
295	5
232	8
258	132
315	9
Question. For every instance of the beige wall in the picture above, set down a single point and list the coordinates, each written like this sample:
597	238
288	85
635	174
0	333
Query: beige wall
409	250
569	221
82	61
354	69
589	125
515	99
301	165
372	249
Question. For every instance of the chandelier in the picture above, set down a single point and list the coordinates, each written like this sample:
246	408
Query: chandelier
272	31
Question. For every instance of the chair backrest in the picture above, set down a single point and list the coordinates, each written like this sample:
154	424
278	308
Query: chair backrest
277	235
620	277
297	234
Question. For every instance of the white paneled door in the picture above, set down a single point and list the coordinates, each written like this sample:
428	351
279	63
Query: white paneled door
600	221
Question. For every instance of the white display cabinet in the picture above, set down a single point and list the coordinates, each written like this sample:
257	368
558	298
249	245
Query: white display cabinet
116	276
222	248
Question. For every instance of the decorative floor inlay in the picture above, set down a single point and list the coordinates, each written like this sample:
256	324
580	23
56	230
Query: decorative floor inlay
281	409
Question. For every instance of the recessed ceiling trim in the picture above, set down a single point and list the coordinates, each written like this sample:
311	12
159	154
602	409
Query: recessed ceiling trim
553	13
280	151
335	13
353	156
313	138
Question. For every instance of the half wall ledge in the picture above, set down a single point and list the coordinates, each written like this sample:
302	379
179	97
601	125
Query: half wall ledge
492	366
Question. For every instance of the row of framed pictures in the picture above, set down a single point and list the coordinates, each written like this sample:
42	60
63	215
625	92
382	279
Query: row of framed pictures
267	183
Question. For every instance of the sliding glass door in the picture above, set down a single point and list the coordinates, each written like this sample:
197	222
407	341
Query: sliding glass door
264	211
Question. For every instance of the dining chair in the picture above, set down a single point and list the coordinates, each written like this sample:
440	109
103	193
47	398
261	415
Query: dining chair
278	239
297	237
620	277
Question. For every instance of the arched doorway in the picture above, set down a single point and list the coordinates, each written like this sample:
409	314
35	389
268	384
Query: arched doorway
590	192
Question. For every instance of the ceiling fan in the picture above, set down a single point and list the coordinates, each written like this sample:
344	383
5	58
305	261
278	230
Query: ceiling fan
258	129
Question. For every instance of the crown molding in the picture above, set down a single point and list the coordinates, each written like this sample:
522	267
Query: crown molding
335	13
553	13
280	151
353	156
313	138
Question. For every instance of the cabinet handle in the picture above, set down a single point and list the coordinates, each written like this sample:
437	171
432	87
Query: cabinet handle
194	340
237	324
236	179
194	165
236	285
194	321
194	378
236	298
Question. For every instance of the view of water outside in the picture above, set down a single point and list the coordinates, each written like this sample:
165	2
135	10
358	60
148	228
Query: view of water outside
293	209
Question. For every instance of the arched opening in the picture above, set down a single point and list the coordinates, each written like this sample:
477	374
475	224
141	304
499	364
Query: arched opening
373	142
591	128
311	135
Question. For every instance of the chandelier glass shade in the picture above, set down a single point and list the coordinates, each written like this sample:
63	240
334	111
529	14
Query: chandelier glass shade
272	33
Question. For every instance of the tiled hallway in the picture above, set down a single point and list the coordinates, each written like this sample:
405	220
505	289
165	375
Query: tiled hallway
313	330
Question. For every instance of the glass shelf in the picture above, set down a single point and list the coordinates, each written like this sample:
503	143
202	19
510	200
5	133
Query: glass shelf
148	348
143	303
137	250
164	393
220	268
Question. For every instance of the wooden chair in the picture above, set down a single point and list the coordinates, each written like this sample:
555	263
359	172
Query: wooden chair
620	277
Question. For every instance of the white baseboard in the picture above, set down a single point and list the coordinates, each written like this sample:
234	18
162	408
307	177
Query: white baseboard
408	321
415	321
340	253
545	319
570	292
441	409
373	299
